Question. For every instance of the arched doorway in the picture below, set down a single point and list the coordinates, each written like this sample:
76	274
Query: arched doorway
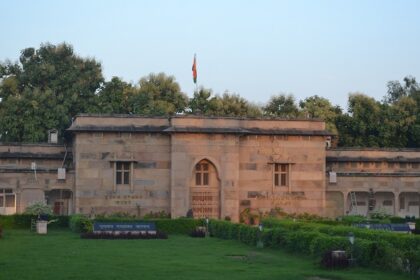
205	191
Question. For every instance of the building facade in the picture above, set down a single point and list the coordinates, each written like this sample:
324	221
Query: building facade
207	167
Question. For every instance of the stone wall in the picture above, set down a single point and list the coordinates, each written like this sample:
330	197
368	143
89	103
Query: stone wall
30	185
95	156
385	176
163	154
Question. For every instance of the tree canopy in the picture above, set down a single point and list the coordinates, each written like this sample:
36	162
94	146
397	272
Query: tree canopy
48	86
45	90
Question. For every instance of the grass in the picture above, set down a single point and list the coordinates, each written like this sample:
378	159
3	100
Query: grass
63	255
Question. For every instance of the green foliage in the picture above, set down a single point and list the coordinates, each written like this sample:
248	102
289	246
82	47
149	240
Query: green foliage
23	221
113	97
352	219
45	90
324	243
283	106
321	108
80	223
395	122
372	248
38	208
158	94
157	215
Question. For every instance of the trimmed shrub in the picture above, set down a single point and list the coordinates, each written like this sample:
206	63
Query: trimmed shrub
275	238
1	231
411	261
324	243
23	221
399	241
59	221
80	223
300	241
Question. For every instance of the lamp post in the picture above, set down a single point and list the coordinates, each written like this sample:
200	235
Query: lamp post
351	240
207	227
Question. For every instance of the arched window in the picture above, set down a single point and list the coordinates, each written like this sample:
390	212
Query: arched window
202	173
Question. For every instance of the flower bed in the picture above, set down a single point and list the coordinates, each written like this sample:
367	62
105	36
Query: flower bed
128	235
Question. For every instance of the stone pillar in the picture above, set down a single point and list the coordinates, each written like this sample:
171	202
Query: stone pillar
396	203
346	194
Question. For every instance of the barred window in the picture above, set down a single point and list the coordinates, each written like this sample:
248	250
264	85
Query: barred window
202	174
281	175
122	173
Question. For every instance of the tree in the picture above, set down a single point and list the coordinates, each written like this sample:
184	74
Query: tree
114	95
158	94
360	127
200	103
283	106
396	91
45	90
321	108
232	105
404	101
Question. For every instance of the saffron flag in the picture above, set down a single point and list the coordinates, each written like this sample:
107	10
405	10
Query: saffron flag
194	70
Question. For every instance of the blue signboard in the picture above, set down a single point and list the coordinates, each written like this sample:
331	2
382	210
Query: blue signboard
389	227
131	227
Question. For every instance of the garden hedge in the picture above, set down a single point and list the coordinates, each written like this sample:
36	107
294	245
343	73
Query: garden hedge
384	249
23	221
400	241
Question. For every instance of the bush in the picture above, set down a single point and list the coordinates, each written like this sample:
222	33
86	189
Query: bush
59	221
38	208
1	231
324	243
157	215
80	223
397	220
300	241
23	221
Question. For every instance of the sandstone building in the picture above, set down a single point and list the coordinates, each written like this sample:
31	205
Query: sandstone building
217	167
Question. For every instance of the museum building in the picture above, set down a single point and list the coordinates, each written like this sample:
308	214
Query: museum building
210	167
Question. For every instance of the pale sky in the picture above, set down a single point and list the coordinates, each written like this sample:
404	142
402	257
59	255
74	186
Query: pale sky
254	48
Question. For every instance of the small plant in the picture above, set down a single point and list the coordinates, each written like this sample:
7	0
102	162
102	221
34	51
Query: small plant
80	223
157	215
38	208
121	215
379	214
249	216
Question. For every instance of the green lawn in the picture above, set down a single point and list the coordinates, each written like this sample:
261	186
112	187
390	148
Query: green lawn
63	255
